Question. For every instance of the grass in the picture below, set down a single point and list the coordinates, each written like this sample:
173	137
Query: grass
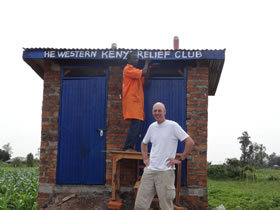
18	188
259	193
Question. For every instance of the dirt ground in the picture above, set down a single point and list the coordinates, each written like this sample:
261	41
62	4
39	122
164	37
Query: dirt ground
85	202
89	202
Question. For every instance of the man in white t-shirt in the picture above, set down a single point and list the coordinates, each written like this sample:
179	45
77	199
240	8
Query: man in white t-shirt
159	177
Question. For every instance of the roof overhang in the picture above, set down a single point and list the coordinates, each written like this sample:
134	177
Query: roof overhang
37	57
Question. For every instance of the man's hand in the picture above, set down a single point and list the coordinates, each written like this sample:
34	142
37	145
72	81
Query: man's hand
171	162
147	162
148	60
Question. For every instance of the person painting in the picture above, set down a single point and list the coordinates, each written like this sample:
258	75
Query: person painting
133	98
158	176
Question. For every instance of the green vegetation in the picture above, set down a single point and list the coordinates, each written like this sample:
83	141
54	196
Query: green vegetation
260	190
18	187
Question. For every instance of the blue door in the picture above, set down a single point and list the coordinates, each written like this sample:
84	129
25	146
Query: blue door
172	92
81	156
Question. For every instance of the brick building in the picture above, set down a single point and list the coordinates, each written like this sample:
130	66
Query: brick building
82	116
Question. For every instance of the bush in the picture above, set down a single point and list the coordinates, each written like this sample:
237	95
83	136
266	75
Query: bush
29	160
217	171
16	162
4	155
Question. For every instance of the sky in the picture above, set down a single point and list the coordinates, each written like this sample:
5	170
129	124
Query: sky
247	97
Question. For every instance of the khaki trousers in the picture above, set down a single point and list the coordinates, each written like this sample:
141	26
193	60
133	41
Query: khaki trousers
156	182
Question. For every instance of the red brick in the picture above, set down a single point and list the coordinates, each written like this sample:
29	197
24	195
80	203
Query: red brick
203	71
192	128
191	164
50	174
192	198
202	183
200	158
203	165
117	204
52	181
192	177
201	146
44	144
204	204
43	195
41	201
201	171
203	122
42	180
52	156
189	90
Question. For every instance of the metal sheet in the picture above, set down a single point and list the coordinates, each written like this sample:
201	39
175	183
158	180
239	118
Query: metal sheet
80	158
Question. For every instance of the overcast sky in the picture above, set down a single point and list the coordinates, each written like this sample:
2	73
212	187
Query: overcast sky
248	94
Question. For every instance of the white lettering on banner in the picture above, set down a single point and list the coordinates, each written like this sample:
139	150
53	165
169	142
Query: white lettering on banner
184	55
160	54
125	54
104	54
140	54
61	54
87	54
198	54
166	54
119	54
113	54
146	54
177	54
189	54
49	54
93	54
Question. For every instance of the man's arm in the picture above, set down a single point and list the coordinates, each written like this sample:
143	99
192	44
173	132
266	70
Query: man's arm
146	70
144	151
188	148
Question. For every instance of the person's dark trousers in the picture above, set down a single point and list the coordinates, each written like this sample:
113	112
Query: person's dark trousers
134	133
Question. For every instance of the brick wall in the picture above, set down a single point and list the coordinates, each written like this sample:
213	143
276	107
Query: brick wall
117	128
49	134
197	121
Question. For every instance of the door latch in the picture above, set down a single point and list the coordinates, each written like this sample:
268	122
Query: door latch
101	131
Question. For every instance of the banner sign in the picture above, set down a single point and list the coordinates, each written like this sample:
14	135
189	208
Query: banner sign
122	54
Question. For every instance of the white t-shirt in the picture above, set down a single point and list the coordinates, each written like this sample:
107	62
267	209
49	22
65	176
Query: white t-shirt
164	138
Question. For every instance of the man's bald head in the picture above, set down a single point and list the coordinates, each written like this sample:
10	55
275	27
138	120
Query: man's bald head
159	112
160	105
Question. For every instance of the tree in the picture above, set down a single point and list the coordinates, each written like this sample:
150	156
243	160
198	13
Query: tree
4	155
253	154
29	160
273	159
260	155
7	147
16	162
245	142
